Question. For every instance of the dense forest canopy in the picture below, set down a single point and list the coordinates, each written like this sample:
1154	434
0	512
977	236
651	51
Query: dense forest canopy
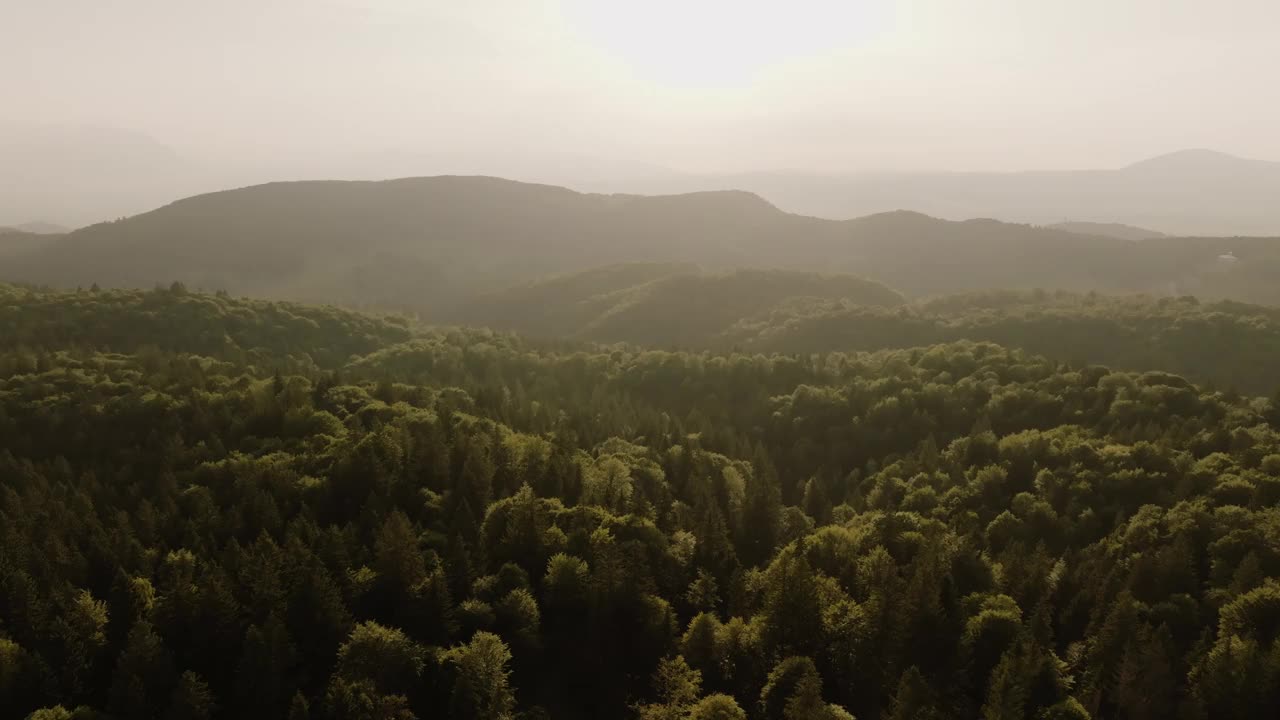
218	508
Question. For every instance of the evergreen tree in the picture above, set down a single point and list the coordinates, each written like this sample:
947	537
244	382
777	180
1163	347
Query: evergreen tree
191	699
144	675
481	690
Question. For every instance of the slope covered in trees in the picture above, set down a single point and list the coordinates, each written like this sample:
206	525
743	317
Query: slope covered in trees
1232	345
427	244
175	320
1229	344
664	305
462	524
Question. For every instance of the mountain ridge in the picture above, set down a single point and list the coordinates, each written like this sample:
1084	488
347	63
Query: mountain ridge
431	243
1116	230
1186	192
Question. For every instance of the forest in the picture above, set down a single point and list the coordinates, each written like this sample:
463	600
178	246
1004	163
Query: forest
780	311
214	507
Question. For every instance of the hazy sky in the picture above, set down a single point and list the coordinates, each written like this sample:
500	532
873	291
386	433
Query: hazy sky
699	85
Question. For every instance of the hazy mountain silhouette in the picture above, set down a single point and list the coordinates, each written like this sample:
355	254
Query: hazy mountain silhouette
36	228
1191	192
415	241
1201	161
430	243
79	175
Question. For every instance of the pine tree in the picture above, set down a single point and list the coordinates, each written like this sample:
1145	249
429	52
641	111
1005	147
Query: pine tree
299	708
191	699
677	687
914	700
791	612
1147	679
264	673
784	681
699	647
762	512
81	629
144	675
816	502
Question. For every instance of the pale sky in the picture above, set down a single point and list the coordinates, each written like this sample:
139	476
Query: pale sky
694	85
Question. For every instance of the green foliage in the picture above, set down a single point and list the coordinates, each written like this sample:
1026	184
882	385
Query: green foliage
383	656
658	305
191	699
471	525
481	689
716	707
1175	335
677	687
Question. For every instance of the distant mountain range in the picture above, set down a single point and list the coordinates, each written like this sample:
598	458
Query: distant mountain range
436	244
1192	192
77	176
34	228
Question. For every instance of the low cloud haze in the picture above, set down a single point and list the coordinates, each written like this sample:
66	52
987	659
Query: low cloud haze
115	107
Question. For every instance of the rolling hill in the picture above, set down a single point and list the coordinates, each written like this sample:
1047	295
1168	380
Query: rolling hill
34	228
657	305
414	242
676	306
1135	332
432	244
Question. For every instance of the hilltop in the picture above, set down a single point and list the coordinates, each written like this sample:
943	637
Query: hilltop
412	242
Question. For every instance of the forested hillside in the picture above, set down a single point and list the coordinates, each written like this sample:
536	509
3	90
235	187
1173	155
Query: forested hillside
1231	345
432	244
218	508
663	305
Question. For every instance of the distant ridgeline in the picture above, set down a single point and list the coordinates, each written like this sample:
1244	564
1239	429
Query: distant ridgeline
1230	345
222	508
432	244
